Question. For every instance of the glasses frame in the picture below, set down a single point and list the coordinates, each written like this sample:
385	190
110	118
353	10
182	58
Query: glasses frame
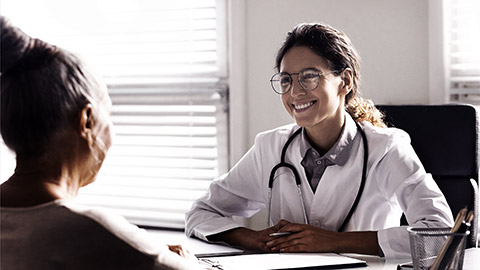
298	79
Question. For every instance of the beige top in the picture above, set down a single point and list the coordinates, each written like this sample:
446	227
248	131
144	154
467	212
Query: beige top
62	235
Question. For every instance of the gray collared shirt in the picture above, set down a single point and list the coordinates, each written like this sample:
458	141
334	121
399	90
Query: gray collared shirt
315	164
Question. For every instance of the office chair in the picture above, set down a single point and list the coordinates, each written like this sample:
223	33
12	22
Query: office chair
446	139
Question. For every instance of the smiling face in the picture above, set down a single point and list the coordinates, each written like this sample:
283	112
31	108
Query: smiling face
321	108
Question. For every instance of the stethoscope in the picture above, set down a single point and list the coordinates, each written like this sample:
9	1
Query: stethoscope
284	164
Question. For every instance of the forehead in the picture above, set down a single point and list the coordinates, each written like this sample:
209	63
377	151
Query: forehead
298	58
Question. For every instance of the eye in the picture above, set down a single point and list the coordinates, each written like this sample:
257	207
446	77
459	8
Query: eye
310	75
285	79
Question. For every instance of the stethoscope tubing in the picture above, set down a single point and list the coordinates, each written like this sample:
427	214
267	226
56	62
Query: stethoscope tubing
298	181
362	182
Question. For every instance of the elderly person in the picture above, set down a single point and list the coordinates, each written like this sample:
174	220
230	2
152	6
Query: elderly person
55	115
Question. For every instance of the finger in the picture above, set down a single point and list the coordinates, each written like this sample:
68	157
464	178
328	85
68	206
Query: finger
282	223
176	249
294	245
292	227
277	226
189	255
277	242
296	248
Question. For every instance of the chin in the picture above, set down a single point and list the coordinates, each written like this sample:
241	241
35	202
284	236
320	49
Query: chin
302	123
90	176
89	181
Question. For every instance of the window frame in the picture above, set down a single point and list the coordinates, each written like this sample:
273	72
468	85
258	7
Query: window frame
223	84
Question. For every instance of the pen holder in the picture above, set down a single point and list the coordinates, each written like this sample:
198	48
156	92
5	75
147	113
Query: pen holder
428	243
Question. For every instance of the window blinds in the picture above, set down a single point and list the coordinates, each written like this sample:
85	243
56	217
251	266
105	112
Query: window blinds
463	41
166	151
164	63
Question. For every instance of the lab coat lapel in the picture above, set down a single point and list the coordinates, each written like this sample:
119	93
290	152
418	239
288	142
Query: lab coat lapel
284	184
307	192
337	191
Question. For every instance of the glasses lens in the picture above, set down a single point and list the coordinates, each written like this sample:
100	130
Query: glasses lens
281	82
309	79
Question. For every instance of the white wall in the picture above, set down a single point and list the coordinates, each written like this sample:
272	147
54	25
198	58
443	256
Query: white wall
390	35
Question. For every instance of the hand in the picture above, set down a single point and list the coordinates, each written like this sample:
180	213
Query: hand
304	238
182	252
308	238
246	238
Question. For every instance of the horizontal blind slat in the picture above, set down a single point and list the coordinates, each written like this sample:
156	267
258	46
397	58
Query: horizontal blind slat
163	63
464	62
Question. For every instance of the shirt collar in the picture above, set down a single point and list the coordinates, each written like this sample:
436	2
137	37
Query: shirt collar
340	151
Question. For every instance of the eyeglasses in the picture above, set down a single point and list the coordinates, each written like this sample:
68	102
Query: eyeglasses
308	78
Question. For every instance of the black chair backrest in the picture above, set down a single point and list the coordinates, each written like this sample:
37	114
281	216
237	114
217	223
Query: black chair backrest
446	139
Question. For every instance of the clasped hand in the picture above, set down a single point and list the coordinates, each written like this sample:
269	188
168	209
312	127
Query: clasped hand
302	238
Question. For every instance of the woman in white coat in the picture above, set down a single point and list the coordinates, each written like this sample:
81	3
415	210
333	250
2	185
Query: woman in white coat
356	177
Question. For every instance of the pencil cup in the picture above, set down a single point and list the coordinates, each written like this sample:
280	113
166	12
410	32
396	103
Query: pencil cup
437	248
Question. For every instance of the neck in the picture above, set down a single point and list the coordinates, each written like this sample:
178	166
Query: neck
324	135
36	183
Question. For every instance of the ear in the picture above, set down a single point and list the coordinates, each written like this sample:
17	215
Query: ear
347	81
86	122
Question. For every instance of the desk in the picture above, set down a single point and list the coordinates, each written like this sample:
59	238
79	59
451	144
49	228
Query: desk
472	256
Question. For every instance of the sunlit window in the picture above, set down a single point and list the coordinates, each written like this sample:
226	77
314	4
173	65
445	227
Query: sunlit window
164	63
462	46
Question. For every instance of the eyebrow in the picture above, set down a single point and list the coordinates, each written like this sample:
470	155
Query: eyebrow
313	68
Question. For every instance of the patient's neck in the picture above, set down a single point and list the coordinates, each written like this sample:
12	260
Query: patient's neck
35	183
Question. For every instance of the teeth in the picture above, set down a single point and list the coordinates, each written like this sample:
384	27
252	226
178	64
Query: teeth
303	106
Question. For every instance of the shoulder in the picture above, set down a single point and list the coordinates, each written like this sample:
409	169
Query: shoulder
98	215
279	134
384	135
272	141
131	246
383	140
103	221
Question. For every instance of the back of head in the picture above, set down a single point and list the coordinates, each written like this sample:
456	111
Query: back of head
339	53
43	89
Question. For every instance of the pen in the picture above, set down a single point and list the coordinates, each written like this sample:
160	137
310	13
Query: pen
211	263
279	234
455	243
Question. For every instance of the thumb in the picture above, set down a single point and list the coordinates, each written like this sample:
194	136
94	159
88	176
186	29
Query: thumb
282	223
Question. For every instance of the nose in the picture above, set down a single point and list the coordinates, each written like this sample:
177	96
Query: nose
297	88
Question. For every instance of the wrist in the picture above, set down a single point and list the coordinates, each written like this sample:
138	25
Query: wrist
357	242
231	237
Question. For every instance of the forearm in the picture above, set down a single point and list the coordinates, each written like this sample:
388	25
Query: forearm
244	238
358	242
229	236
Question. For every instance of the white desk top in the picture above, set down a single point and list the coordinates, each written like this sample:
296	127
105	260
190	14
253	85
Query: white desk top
472	256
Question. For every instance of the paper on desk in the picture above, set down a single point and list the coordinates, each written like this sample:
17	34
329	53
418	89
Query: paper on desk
204	249
196	246
285	261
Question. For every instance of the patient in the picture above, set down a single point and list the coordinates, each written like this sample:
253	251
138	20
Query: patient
55	116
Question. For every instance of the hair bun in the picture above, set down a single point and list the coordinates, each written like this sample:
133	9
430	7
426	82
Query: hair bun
19	51
14	44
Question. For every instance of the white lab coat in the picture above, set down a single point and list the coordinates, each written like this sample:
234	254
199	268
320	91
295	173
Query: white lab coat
396	182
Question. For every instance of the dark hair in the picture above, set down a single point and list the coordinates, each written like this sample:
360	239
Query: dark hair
337	49
43	90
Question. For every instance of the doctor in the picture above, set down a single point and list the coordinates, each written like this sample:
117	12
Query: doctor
343	179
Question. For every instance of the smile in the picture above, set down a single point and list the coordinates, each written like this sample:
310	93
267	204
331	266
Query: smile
303	106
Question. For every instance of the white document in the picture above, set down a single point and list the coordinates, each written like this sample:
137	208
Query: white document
204	249
198	247
284	261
